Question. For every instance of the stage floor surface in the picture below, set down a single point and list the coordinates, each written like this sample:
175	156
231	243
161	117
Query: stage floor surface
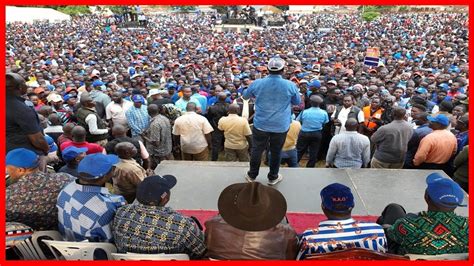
200	184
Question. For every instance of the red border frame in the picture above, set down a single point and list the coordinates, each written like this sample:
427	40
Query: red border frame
218	2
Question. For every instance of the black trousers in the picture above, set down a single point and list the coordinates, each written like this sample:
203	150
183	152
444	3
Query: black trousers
260	140
311	142
217	143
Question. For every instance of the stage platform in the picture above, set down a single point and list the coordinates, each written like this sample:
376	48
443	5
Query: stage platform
200	183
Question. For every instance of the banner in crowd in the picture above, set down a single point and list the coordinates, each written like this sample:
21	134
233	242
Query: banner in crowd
372	56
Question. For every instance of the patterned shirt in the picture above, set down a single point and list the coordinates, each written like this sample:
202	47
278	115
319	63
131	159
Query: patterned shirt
332	235
86	212
159	131
31	200
146	229
430	233
138	119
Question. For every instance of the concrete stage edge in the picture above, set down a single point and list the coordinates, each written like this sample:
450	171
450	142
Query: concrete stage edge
200	183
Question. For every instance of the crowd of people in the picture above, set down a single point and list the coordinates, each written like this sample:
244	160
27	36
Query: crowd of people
92	111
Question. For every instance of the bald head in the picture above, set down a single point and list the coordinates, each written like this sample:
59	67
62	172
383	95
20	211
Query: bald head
222	96
79	134
399	113
119	131
351	124
67	129
54	119
234	109
125	150
316	101
191	107
87	101
153	110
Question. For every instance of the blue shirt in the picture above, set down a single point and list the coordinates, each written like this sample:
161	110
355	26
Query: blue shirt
462	138
87	212
138	119
313	119
181	103
202	100
213	99
274	97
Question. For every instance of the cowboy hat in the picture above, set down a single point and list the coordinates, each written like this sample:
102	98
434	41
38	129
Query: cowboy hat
251	206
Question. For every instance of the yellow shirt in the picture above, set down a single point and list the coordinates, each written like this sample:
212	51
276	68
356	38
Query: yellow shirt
292	136
235	129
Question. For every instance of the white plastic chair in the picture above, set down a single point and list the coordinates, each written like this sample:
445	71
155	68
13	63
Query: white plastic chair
149	257
455	256
30	248
79	250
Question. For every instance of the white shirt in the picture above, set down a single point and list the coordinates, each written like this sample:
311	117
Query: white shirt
116	112
343	118
91	121
191	128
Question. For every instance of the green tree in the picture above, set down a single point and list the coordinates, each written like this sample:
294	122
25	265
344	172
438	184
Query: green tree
220	9
370	16
74	10
116	9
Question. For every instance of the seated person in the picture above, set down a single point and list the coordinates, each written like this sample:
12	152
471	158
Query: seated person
127	173
433	232
72	156
86	208
31	194
250	225
148	227
340	231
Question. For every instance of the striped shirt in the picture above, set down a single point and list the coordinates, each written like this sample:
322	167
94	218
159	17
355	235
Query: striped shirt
332	235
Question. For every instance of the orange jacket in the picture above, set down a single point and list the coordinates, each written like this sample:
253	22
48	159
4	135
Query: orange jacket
376	115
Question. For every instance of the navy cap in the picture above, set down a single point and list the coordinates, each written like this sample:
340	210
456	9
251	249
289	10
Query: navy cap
22	158
69	96
96	165
153	188
440	119
443	191
337	198
52	145
71	152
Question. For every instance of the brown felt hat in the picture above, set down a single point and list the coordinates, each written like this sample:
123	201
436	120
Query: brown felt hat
251	206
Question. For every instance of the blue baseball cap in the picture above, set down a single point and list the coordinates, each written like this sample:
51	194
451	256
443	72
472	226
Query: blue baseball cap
22	158
97	83
52	145
421	90
443	191
138	99
71	152
314	84
440	119
444	86
96	165
337	198
68	96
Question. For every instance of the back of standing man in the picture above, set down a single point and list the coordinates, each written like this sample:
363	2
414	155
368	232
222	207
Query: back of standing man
274	98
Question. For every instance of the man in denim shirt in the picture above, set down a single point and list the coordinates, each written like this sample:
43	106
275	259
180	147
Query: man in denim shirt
274	98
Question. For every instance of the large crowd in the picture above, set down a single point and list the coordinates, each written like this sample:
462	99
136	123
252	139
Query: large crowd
93	109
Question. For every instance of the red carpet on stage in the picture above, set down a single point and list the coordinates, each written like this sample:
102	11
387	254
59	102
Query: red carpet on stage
299	221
